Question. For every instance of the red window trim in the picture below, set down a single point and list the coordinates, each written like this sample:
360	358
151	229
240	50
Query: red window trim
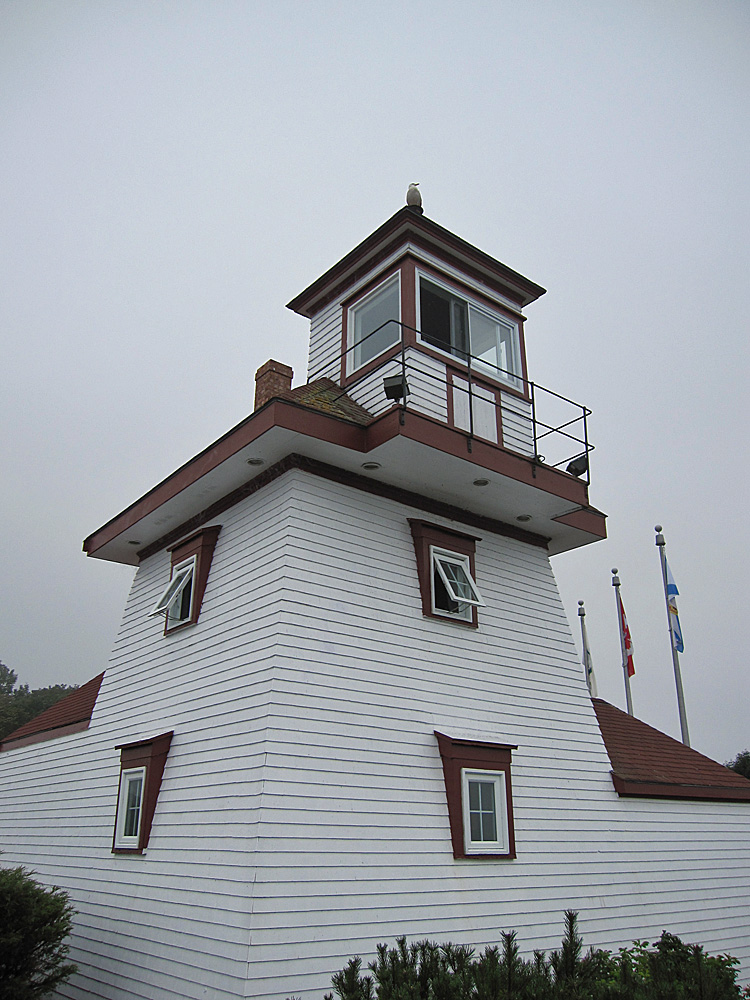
200	544
151	754
425	534
457	754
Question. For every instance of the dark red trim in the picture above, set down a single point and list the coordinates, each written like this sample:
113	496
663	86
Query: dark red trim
457	754
424	534
47	734
664	790
151	754
408	226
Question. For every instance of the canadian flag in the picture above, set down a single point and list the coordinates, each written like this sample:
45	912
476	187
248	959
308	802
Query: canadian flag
627	642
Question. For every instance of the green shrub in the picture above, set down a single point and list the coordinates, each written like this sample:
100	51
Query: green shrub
34	922
429	971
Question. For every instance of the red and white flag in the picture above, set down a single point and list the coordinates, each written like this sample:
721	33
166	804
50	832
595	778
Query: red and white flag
627	642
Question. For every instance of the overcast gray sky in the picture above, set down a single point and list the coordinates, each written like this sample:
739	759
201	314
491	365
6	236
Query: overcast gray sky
174	172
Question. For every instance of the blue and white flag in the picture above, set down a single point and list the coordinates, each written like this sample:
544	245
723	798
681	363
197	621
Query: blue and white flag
674	618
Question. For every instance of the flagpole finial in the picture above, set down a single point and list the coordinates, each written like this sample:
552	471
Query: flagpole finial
659	537
581	609
657	527
614	571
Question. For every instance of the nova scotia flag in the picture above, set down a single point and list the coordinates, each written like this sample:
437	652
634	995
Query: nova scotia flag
674	618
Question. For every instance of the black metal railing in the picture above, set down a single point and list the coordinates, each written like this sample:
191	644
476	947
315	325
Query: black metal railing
557	425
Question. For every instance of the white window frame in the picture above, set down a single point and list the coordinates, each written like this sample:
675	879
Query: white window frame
126	777
497	779
438	557
183	575
514	379
354	354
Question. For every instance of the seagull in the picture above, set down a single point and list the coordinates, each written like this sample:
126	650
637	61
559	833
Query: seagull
413	197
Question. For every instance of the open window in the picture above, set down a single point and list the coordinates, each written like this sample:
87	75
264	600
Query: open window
447	576
478	791
141	770
469	330
373	323
180	601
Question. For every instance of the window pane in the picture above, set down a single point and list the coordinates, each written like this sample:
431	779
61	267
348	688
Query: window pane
482	812
492	343
443	600
382	308
475	820
133	806
485	339
474	795
179	609
457	577
444	319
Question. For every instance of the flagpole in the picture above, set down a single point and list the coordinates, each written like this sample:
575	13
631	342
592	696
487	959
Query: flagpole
588	667
616	585
662	546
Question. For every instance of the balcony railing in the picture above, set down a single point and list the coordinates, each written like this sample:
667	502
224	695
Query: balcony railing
545	426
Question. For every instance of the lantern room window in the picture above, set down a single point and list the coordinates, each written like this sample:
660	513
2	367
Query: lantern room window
373	323
469	331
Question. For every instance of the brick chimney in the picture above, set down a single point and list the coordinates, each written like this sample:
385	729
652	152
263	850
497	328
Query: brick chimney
272	380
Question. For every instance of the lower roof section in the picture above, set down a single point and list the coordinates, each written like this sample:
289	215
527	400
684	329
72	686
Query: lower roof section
400	449
648	763
71	714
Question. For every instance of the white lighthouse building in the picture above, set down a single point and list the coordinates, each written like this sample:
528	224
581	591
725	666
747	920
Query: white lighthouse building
344	702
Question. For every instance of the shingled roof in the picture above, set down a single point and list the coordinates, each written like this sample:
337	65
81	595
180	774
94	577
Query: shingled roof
326	396
648	763
71	714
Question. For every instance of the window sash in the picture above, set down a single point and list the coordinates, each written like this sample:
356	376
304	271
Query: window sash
455	572
171	598
485	814
130	807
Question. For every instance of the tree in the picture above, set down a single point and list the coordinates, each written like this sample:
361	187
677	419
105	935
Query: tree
741	763
19	705
34	922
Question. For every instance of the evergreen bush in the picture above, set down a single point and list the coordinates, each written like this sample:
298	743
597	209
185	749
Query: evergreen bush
34	922
668	970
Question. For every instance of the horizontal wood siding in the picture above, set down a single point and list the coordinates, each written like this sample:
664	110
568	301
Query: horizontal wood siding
174	922
358	847
425	377
302	816
518	430
324	357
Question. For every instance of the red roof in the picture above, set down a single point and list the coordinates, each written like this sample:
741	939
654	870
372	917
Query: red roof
646	762
69	715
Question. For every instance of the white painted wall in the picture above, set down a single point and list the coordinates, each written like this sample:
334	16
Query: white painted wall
302	816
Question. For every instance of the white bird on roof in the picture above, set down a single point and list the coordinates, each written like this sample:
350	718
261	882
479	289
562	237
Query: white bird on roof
413	197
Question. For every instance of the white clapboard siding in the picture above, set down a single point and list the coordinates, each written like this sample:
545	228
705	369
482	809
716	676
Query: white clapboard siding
354	786
425	378
477	403
302	815
518	431
324	357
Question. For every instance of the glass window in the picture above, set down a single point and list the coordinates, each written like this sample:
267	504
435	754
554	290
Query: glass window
374	323
485	812
454	591
452	324
128	825
177	598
